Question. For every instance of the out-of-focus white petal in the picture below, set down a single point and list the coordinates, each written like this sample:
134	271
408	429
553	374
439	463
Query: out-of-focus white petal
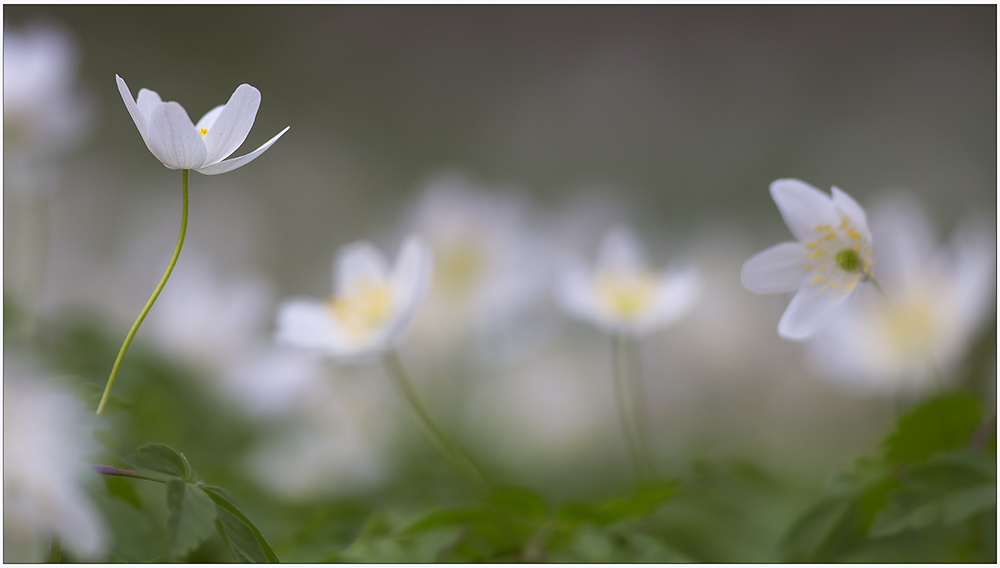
847	205
306	323
133	109
232	125
209	119
575	291
903	235
621	250
803	207
358	262
173	138
233	163
78	524
807	312
679	292
780	268
411	280
973	266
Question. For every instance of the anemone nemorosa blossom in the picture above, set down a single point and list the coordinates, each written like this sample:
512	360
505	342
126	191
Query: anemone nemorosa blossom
370	307
833	254
620	294
181	145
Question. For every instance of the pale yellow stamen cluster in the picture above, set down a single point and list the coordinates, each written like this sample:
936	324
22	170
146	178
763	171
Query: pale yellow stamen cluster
911	327
626	294
363	307
459	267
822	257
202	131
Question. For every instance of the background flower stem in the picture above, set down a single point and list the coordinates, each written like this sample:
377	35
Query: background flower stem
461	460
156	293
629	398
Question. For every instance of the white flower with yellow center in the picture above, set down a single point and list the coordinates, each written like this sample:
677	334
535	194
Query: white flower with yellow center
371	304
621	294
832	256
181	145
936	299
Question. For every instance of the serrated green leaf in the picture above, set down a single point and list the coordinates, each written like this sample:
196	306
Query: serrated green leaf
161	461
937	425
241	536
190	517
123	489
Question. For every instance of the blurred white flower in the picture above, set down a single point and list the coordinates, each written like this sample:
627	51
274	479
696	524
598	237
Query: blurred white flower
171	137
42	110
936	300
370	307
490	265
621	294
833	254
44	472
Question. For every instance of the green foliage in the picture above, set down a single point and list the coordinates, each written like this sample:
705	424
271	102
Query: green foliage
190	518
242	538
160	461
939	424
925	498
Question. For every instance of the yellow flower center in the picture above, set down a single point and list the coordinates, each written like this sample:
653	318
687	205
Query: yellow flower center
203	131
459	266
838	258
911	327
626	294
364	307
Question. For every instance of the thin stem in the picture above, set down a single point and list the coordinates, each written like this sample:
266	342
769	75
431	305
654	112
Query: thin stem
627	408
55	553
452	451
156	293
871	278
119	472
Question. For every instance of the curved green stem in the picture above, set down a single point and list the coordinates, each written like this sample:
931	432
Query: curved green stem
630	407
871	278
156	293
461	460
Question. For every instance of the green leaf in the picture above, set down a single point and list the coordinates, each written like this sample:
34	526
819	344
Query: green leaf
160	461
939	424
519	502
447	518
242	538
123	489
190	517
639	504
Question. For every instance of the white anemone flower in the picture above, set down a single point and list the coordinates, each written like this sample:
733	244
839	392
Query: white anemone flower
44	474
936	299
833	254
621	294
371	304
181	145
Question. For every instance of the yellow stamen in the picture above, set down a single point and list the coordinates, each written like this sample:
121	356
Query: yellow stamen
203	131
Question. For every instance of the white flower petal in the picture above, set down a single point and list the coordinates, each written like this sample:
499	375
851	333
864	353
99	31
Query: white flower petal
410	281
231	126
233	163
173	138
209	119
803	207
903	238
147	101
307	324
575	291
79	524
620	250
358	262
678	293
808	311
133	109
780	268
848	206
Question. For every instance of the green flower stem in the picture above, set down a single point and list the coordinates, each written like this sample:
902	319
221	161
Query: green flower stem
871	278
156	293
630	405
119	472
55	553
461	460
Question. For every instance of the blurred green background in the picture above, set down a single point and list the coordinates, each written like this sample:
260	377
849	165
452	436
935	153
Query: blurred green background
675	118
